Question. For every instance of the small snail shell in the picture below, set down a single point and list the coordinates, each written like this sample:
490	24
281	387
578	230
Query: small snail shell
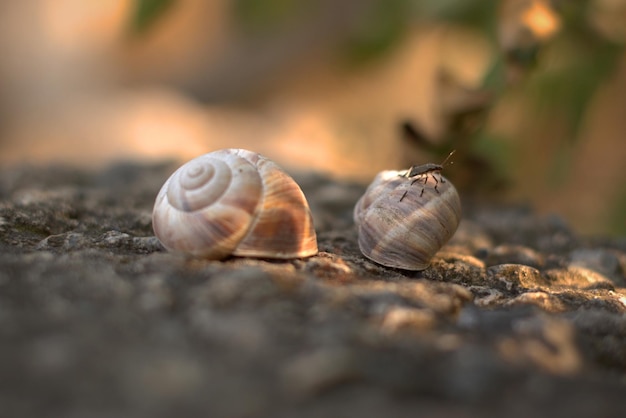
233	202
405	217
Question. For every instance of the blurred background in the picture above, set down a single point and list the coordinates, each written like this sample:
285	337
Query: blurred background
530	93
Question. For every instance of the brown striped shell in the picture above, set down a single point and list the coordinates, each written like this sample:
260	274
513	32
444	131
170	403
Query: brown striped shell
233	202
403	221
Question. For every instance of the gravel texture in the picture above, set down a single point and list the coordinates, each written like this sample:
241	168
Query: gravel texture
516	316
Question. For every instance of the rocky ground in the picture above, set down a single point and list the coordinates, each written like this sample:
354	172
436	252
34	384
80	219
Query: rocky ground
517	315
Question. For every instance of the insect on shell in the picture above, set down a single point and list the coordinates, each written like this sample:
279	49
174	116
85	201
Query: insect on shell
405	217
234	202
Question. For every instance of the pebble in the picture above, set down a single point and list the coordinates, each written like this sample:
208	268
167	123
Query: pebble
470	261
578	278
514	254
515	276
326	265
603	261
115	239
147	244
548	302
67	242
486	296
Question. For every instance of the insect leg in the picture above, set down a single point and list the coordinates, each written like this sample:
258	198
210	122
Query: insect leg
434	178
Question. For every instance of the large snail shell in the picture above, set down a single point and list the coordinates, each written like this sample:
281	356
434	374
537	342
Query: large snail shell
233	202
402	222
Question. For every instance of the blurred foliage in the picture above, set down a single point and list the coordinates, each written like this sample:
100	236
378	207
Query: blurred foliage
380	24
379	28
256	17
558	74
478	13
574	64
146	13
561	74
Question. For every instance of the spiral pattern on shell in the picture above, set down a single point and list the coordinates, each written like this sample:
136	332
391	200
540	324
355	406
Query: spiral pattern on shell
403	221
233	202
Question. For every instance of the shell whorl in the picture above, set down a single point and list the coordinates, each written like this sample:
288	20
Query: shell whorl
402	223
226	202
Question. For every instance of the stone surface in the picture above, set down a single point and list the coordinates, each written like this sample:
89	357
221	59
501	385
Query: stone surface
516	316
